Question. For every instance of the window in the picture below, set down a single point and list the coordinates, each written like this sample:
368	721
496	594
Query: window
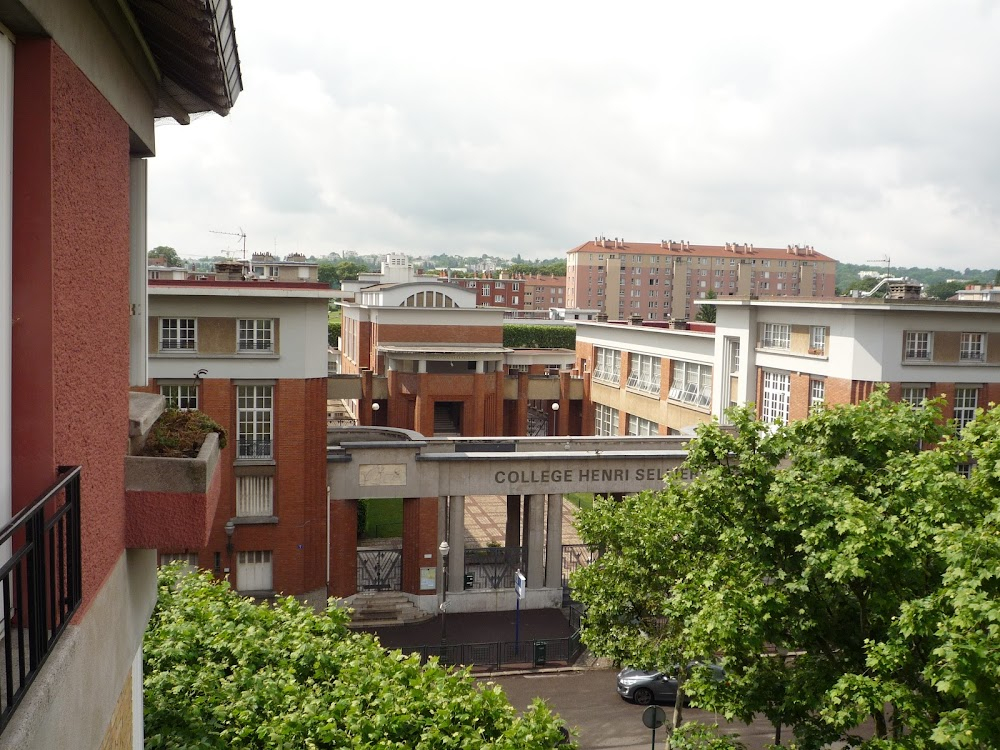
914	395
966	401
972	347
734	356
486	290
644	373
253	571
183	397
775	336
499	285
254	496
188	560
817	339
605	420
515	287
498	298
817	393
641	427
774	404
691	383
608	365
253	415
178	334
919	345
254	335
514	300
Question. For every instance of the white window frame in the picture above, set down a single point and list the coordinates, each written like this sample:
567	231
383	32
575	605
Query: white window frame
605	420
498	298
182	396
254	422
817	339
972	347
775	397
775	336
817	392
918	346
966	403
644	373
255	335
691	383
254	570
178	334
640	427
254	495
607	365
914	395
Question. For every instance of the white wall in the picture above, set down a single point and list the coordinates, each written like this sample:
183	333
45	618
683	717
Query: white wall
302	337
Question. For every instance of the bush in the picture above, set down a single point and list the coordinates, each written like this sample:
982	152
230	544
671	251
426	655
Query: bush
333	332
539	337
180	434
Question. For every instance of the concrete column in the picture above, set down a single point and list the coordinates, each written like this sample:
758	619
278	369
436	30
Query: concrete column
536	535
553	543
456	538
525	552
421	365
512	534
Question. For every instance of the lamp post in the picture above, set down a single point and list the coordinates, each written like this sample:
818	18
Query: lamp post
444	549
230	529
555	417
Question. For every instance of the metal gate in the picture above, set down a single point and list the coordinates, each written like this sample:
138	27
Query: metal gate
380	569
574	556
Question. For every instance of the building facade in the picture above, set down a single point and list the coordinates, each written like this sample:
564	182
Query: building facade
663	281
249	350
80	87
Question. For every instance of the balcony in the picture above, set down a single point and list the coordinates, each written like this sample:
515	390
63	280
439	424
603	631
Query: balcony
40	584
170	502
254	450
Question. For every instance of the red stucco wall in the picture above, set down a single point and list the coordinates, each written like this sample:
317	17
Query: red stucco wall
70	274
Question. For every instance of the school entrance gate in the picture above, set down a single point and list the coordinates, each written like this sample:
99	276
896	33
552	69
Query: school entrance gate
434	475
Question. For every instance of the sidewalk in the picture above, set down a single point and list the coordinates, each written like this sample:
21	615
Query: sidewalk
486	518
477	627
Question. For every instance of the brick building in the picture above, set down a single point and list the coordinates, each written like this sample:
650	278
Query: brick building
247	346
81	85
662	281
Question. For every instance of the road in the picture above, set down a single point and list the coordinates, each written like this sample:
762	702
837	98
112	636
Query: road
588	702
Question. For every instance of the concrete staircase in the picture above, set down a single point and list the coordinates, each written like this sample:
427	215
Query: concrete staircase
378	609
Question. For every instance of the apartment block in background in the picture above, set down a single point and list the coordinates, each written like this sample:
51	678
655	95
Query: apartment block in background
81	85
662	281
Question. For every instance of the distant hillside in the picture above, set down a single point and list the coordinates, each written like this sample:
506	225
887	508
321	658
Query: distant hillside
847	273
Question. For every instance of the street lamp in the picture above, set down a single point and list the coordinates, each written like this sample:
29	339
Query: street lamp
230	529
444	549
376	406
555	417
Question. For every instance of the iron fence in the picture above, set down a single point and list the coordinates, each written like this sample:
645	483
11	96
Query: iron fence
40	584
492	567
253	449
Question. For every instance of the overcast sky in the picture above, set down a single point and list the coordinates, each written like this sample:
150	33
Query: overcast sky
867	129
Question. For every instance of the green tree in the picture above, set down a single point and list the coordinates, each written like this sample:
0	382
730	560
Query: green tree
334	273
945	289
706	313
839	571
222	671
168	254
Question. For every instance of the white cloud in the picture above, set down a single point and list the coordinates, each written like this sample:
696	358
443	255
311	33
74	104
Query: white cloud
859	128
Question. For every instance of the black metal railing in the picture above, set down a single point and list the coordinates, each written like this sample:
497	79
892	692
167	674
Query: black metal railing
253	449
492	567
40	584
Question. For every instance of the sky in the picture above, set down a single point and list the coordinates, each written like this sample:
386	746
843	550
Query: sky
870	130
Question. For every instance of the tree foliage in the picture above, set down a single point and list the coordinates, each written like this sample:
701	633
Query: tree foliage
706	313
334	273
224	672
839	571
539	337
169	255
333	328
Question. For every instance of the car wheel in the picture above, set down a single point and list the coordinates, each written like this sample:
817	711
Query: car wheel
643	696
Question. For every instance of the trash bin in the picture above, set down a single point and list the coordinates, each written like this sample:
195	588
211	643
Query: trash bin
539	653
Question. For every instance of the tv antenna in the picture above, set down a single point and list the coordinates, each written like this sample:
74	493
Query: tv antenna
884	259
241	234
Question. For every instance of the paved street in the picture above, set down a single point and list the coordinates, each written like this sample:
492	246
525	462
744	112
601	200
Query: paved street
588	701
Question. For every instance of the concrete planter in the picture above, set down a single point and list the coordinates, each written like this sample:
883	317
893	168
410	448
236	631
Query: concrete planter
171	501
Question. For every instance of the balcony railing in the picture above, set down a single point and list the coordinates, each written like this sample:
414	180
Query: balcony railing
253	449
40	584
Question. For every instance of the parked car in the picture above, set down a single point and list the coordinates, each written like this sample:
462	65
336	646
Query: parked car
643	686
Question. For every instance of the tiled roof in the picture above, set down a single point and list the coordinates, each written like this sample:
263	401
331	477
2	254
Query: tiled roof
677	248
